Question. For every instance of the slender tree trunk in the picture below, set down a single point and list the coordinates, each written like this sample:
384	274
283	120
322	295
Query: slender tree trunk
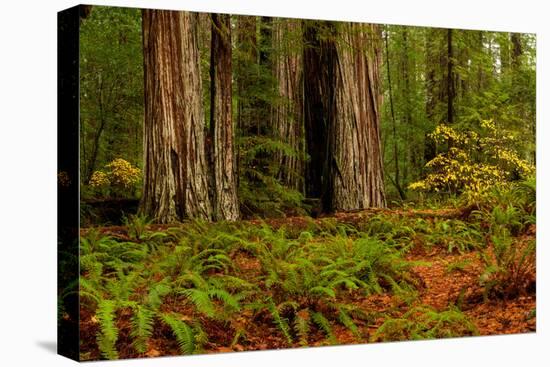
247	56
175	166
517	49
450	77
432	93
504	52
97	135
343	64
407	155
95	149
287	113
225	203
262	108
480	72
394	124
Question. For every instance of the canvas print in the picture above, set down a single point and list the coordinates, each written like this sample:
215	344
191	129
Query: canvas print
237	183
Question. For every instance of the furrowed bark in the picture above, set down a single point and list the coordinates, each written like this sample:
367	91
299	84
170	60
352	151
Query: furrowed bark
356	174
225	203
318	56
175	166
342	115
287	113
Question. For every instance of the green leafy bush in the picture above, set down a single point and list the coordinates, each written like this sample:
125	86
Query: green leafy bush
509	267
474	161
424	322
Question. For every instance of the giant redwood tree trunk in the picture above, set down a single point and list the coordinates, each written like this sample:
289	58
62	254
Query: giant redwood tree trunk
318	64
225	203
344	63
287	113
175	166
356	174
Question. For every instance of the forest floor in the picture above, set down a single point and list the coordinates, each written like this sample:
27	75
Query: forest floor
443	280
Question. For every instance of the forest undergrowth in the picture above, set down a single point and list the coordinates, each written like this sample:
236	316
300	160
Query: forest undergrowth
360	277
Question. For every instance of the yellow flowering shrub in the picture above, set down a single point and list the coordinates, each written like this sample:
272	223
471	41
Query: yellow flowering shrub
473	162
99	179
121	173
118	179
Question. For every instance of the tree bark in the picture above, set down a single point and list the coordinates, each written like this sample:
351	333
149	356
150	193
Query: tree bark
175	166
356	173
318	56
394	123
517	49
433	88
287	113
225	202
344	67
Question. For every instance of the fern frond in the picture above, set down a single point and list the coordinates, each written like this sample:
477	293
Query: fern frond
142	328
323	323
347	321
184	333
159	290
280	322
301	326
323	291
108	332
227	298
201	300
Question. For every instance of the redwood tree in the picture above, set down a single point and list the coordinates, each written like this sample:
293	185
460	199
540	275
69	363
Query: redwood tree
287	113
225	203
175	166
342	70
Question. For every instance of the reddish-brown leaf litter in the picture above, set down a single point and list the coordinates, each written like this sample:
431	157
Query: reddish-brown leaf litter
444	279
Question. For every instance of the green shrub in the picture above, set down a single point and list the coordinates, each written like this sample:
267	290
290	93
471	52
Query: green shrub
509	268
424	322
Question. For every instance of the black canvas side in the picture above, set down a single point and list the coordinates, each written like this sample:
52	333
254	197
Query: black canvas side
68	181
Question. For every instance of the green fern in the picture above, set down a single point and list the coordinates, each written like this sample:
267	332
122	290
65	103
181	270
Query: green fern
424	322
347	321
230	301
201	300
184	333
323	291
301	326
142	328
279	321
108	331
157	292
323	323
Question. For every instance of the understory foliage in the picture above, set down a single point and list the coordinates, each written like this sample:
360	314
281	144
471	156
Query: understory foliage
261	193
473	161
301	283
120	178
425	323
508	213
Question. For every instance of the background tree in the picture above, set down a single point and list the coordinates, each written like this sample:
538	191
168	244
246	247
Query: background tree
286	112
225	202
111	84
302	115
